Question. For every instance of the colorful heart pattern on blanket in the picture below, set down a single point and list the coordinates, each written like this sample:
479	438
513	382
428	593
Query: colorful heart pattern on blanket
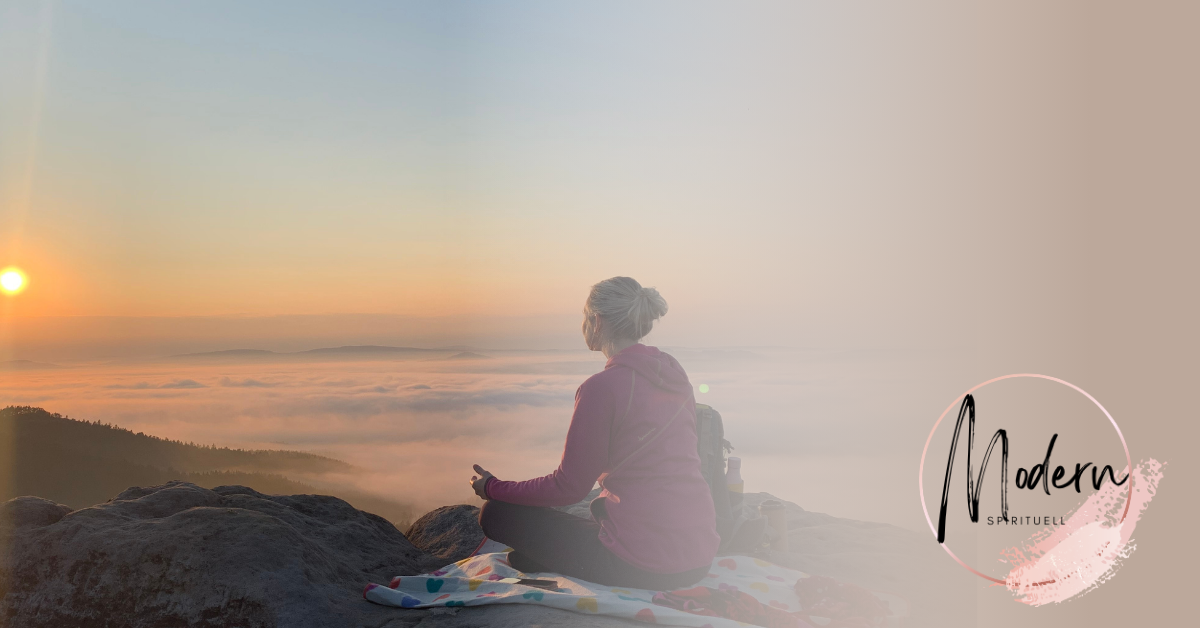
475	581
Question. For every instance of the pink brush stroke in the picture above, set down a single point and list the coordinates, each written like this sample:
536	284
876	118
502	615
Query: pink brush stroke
1086	551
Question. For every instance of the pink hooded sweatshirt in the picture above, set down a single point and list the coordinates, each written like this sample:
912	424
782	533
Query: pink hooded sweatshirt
660	514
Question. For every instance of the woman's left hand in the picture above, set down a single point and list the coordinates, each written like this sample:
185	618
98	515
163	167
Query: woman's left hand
480	483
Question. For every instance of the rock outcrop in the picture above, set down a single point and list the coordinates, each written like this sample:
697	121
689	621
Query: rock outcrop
181	555
450	533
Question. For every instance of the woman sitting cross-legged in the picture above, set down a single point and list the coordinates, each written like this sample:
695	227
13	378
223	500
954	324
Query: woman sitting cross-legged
634	430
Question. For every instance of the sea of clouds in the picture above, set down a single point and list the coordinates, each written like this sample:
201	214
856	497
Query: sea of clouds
830	431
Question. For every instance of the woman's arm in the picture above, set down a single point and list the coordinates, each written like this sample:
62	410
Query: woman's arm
585	455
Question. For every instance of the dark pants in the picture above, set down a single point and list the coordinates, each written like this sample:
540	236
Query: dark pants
544	539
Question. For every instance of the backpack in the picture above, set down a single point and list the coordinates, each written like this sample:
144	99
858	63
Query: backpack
738	532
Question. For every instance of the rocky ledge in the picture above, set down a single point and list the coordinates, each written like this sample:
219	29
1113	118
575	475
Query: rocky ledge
181	555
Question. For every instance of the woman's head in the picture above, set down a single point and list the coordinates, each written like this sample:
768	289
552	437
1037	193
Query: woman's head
619	311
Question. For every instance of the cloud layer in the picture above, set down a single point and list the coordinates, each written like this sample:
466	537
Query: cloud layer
414	427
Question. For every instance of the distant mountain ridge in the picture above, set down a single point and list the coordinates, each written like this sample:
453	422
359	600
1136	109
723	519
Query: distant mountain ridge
371	349
80	463
343	350
26	365
233	352
469	355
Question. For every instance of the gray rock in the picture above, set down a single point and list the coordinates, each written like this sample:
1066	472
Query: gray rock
25	512
181	555
450	533
877	556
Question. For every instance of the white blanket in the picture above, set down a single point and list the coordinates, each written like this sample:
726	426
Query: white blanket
474	581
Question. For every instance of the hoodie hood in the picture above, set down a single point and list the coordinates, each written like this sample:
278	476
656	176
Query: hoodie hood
657	367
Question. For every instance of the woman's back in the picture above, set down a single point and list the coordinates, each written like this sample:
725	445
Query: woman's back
660	514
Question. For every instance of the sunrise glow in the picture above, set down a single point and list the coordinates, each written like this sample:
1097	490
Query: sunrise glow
12	280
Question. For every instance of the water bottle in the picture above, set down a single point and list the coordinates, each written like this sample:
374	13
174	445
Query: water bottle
733	480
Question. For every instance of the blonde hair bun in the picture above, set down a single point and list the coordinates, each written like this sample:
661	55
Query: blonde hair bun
628	309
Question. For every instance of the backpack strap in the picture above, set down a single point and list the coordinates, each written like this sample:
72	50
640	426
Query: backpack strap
639	450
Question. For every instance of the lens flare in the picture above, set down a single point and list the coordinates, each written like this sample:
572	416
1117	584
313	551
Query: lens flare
12	280
703	388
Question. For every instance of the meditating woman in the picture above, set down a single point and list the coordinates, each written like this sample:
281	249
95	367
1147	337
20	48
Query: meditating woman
633	429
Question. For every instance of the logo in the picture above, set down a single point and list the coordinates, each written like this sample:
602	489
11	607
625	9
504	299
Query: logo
1049	505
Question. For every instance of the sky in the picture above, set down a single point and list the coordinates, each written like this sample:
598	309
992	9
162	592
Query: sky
798	175
906	199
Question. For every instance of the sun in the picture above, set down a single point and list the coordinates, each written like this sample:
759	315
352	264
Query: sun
12	280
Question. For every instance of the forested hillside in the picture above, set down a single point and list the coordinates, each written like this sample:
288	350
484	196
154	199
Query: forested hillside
80	463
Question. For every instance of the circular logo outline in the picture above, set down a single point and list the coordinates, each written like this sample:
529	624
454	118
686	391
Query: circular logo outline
957	400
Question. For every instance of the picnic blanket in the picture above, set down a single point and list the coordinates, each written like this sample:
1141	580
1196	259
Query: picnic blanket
473	581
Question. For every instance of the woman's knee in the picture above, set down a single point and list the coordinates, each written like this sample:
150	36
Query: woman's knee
491	516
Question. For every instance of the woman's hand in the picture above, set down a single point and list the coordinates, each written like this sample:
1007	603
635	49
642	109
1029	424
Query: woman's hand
480	483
